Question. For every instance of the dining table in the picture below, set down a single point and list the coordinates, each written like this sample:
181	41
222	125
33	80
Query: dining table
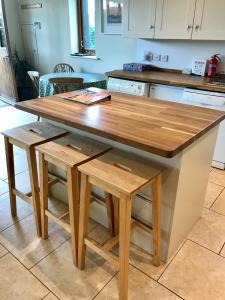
90	80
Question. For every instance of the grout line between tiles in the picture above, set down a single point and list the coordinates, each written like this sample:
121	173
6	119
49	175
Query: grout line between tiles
205	247
157	280
15	222
178	251
4	255
217	213
216	198
31	272
48	295
48	254
216	183
170	290
221	249
105	285
5	179
4	192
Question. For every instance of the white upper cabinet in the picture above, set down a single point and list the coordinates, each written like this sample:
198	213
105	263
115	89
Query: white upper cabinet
174	19
209	23
139	18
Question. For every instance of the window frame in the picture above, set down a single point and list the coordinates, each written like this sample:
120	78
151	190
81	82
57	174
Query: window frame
81	48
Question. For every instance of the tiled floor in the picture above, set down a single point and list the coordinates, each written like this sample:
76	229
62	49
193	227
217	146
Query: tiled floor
3	104
31	268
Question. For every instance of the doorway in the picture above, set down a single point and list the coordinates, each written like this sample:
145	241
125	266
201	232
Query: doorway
29	33
8	89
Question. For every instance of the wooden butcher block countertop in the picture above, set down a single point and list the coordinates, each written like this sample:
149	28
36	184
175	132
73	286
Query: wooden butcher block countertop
168	78
160	127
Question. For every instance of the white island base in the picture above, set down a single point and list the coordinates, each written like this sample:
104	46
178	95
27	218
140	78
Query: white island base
184	188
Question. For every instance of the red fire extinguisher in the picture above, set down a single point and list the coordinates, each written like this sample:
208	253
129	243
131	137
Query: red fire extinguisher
213	63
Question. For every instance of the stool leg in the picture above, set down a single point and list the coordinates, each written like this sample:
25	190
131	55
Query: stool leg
156	220
11	175
44	194
110	212
73	199
85	198
124	244
32	163
116	216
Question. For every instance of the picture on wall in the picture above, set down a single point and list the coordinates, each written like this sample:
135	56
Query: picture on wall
112	16
114	12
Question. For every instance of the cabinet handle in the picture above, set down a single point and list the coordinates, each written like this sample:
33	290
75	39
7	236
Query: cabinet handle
197	27
151	27
189	27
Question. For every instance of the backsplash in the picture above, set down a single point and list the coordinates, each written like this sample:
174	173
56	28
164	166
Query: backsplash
180	53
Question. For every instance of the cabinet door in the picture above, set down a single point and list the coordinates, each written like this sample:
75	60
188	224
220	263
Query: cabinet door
174	19
209	23
139	18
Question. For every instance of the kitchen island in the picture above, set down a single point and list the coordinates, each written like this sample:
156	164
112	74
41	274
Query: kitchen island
181	137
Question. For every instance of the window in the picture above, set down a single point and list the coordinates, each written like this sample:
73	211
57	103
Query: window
86	26
2	33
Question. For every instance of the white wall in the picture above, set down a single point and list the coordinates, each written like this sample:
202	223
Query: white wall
54	40
13	22
181	53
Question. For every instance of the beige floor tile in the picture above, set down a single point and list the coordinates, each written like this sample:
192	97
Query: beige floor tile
17	283
50	296
20	166
138	257
59	274
11	117
3	187
213	191
209	231
3	251
196	273
23	182
140	287
100	233
22	241
219	205
6	220
217	176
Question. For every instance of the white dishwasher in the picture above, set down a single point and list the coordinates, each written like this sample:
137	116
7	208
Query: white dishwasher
216	101
131	87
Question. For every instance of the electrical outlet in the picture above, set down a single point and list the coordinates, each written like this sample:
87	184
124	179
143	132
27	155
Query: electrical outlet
156	57
164	58
148	56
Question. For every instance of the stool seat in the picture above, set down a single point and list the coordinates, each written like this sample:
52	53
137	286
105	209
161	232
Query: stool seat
27	137
34	133
67	153
125	172
72	150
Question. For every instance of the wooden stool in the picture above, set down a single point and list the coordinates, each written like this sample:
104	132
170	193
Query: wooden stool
121	174
27	137
67	153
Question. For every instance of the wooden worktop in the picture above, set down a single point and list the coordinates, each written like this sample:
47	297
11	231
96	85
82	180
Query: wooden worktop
160	127
168	78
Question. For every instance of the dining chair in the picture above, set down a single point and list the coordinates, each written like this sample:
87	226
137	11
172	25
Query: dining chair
34	76
63	68
63	85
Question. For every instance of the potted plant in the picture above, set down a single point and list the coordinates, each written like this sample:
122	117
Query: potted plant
23	81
